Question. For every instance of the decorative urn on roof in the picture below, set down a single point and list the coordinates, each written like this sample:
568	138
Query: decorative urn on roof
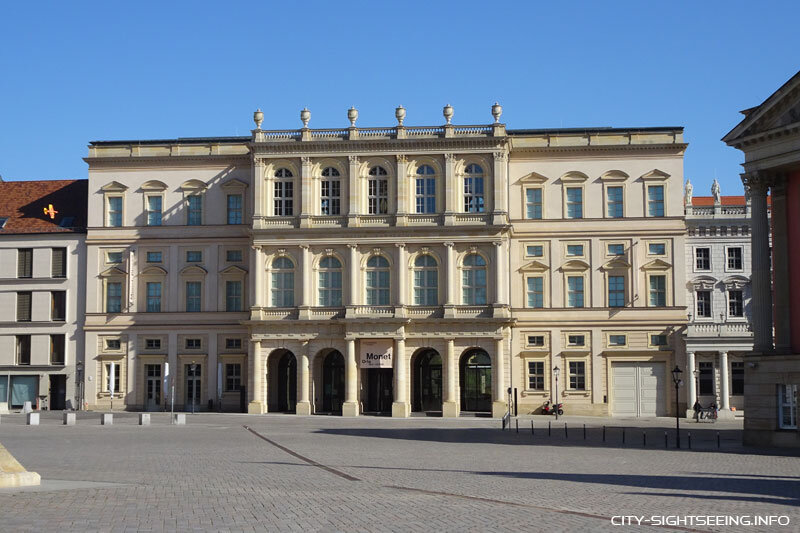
258	118
305	116
400	114
448	113
352	116
497	110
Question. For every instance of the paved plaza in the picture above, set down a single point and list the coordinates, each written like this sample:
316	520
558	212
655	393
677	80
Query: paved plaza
256	473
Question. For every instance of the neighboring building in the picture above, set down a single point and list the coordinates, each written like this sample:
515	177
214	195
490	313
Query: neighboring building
769	136
718	292
167	273
42	256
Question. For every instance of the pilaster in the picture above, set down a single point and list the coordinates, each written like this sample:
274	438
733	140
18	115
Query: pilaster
303	401
499	178
450	187
306	192
255	380
350	406
305	299
402	191
402	275
449	303
499	403
353	192
401	407
450	403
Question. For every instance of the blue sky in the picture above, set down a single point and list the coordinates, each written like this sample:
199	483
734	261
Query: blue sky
72	72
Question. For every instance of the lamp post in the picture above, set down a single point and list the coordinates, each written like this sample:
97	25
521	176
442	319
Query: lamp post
193	367
676	378
79	383
556	371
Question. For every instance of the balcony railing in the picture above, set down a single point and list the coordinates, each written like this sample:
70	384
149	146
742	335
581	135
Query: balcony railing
716	329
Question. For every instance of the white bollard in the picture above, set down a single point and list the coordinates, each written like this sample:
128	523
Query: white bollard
179	419
27	408
144	419
69	419
33	419
4	408
106	419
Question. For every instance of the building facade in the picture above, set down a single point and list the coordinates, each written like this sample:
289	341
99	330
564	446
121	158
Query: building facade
42	256
719	334
769	137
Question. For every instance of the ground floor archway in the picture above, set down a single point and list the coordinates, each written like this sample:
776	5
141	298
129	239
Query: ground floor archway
426	381
475	371
282	382
333	382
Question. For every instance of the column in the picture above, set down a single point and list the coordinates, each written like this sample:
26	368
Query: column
780	266
691	384
500	211
305	281
402	275
400	407
499	404
303	401
450	275
353	281
352	192
258	188
255	379
757	184
306	192
499	269
724	380
350	406
402	191
450	186
450	404
258	254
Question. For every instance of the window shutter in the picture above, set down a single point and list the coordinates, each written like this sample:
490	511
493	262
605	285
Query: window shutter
59	269
23	307
24	263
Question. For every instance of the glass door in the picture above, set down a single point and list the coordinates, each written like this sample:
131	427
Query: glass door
193	391
152	400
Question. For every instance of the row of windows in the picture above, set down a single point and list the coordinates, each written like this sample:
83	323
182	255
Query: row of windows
706	381
576	375
574	202
58	306
154	210
233	375
154	301
579	341
57	349
192	256
733	254
231	343
612	250
657	291
58	263
703	307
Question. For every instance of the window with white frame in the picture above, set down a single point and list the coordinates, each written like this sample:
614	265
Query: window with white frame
702	258
233	296
735	303
114	211
193	296
154	209
614	202
533	203
154	257
705	379
235	209
233	343
536	341
616	291
655	200
153	296
283	193
377	280
535	292
617	340
574	340
574	250
536	375
575	291
473	280
194	210
534	250
425	190
114	257
152	344
703	304
473	189
734	258
616	249
330	282
113	297
194	256
233	256
282	287
656	248
426	280
194	344
574	202
577	375
330	192
107	381
378	191
658	291
233	377
658	340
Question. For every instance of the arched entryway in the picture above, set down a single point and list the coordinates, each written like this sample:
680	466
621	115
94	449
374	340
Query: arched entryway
475	370
282	386
333	382
426	382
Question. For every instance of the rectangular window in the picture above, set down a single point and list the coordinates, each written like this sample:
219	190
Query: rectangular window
58	306
575	291
233	344
614	202
473	195
616	249
617	340
574	202
574	250
737	378
536	375
58	264
533	203
153	296
154	257
576	340
113	344
25	263
658	291
23	307
703	299
330	289
57	345
284	198
378	196
536	340
194	344
233	256
154	210
282	288
233	296
194	257
577	375
734	259
152	344
194	208
235	210
113	297
534	251
787	406
107	383
658	340
114	215
331	197
616	291
702	258
23	349
706	378
114	258
233	377
656	248
193	296
735	303
425	193
535	292
655	200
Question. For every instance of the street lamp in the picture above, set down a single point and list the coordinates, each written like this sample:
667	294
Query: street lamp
556	370
676	379
79	382
193	367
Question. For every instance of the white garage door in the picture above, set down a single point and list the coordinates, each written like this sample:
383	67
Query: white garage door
638	389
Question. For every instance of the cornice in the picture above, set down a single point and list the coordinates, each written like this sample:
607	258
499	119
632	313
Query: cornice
165	161
384	146
588	149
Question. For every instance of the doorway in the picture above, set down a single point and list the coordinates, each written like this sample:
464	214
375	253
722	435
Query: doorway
476	381
287	383
193	387
427	382
333	382
379	390
58	392
152	392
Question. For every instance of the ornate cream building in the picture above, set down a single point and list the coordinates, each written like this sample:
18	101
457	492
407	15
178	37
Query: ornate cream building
400	269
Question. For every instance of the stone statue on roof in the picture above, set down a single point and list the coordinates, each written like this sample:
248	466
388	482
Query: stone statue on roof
687	195
715	192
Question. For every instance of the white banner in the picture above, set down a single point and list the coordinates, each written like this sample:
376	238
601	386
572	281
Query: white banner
376	353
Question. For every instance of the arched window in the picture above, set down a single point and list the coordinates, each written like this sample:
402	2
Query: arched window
330	282
282	282
284	193
330	192
473	280
377	281
473	189
426	281
378	193
425	190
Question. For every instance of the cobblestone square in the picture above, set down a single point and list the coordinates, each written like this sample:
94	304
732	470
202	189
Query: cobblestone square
288	473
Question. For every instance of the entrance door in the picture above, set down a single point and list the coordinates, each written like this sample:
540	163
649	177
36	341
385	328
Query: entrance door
193	391
333	383
152	392
287	383
638	389
428	382
58	392
476	382
379	390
